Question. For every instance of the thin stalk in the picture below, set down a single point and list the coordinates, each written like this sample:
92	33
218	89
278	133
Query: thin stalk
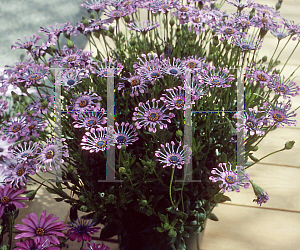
290	56
170	188
274	52
281	51
292	74
11	225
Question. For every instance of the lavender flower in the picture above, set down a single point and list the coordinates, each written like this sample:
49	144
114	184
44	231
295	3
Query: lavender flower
126	136
81	230
217	79
19	172
109	69
93	246
85	102
117	13
15	127
4	174
42	229
90	120
176	69
227	30
284	88
54	33
247	43
3	106
5	148
137	84
193	62
26	44
261	195
25	150
41	106
177	98
9	196
240	4
72	77
231	180
95	5
151	116
34	74
30	245
143	27
259	74
171	158
280	32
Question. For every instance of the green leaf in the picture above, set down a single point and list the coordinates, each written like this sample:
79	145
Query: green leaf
59	199
224	198
213	217
172	233
185	234
253	158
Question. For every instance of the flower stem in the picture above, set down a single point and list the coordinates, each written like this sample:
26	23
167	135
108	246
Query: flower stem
170	189
280	52
82	244
274	52
11	225
289	56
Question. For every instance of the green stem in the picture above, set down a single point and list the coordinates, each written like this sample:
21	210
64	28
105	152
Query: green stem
170	188
11	225
292	74
290	56
82	244
281	51
274	53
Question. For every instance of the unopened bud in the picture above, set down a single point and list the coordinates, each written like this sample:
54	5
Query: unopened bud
127	19
209	58
111	29
132	42
70	168
70	44
122	170
289	145
83	208
228	47
179	133
92	16
144	203
278	6
81	198
264	59
110	35
172	21
215	42
85	22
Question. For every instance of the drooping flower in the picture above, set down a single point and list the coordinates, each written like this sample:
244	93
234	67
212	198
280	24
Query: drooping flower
279	114
8	196
93	246
291	26
284	88
81	230
137	84
126	135
176	100
143	27
26	44
231	180
51	154
31	245
250	123
173	158
280	32
15	127
90	120
54	33
247	43
108	69
261	195
86	101
240	4
163	6
19	173
97	139
151	116
42	229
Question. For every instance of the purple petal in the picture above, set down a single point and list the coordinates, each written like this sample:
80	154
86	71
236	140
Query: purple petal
23	235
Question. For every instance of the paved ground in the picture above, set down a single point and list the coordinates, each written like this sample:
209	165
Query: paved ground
19	18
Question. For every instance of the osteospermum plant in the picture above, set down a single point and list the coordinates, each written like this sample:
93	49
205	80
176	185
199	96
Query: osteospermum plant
148	127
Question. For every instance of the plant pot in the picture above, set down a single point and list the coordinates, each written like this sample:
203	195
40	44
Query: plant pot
195	240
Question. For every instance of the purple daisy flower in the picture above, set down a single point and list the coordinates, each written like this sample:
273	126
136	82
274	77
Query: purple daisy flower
90	120
31	245
15	127
81	230
3	106
260	74
137	84
20	65
264	22
176	69
5	149
247	43
163	6
151	116
143	27
279	114
51	154
291	26
261	195
94	25
25	150
93	246
19	172
193	62
33	74
42	229
26	44
197	21
183	12
72	77
243	19
250	123
116	13
227	30
35	124
266	11
54	33
284	88
95	5
176	100
231	180
109	69
4	174
126	136
97	139
280	32
217	79
171	158
9	196
85	102
41	106
241	4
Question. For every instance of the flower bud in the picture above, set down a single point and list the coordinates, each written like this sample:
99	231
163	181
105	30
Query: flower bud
209	58
110	35
132	42
85	22
264	59
70	44
278	6
215	42
111	29
172	21
144	203
122	170
289	145
228	47
83	208
81	198
127	19
96	33
254	148
66	35
92	16
179	133
15	96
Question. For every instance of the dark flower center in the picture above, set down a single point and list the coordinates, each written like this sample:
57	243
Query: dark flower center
250	124
281	89
246	47
101	144
191	65
4	200
34	77
71	58
16	128
90	123
155	75
278	117
165	6
153	117
265	20
31	127
196	20
173	159
107	73
127	3
121	139
135	82
40	231
173	71
117	14
230	179
229	31
20	171
83	103
49	154
262	77
11	79
215	82
179	103
70	82
24	155
82	229
183	9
